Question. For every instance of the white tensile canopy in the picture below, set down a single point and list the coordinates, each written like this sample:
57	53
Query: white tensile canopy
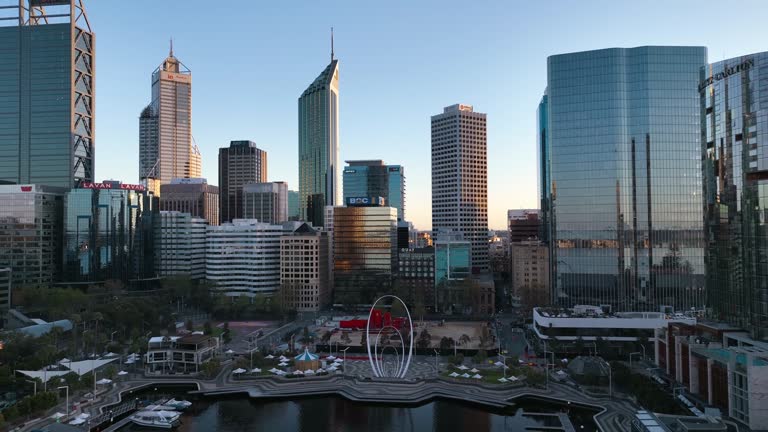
238	371
477	376
453	374
255	370
104	381
504	380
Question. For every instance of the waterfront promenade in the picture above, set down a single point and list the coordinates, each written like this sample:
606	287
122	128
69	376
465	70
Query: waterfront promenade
613	414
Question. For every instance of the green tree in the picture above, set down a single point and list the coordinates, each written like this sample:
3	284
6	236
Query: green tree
211	368
464	340
481	356
208	328
425	340
225	333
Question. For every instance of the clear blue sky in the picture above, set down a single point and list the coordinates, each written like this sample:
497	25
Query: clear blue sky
401	62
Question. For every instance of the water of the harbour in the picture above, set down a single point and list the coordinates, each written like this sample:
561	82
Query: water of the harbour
339	415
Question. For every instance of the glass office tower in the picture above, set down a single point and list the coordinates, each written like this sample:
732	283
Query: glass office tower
108	234
364	253
626	217
734	137
319	164
371	178
47	111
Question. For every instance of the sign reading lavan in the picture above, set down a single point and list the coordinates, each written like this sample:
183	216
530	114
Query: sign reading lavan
123	186
365	202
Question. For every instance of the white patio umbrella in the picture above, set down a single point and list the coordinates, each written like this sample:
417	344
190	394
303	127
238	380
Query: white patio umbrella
298	372
58	415
104	381
321	370
338	361
279	372
330	357
238	371
466	375
512	378
255	370
283	364
273	370
333	369
121	373
504	380
498	363
453	374
270	357
474	371
229	351
309	372
462	367
476	376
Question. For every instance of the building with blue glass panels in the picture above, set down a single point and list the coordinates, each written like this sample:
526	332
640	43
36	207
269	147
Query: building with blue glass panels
371	178
319	162
734	140
109	234
623	177
47	113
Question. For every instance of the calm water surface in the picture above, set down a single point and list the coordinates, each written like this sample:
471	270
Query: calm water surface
340	415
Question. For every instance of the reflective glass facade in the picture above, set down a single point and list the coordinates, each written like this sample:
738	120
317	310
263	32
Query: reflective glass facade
626	182
30	233
108	235
451	260
734	136
374	179
46	100
319	163
364	253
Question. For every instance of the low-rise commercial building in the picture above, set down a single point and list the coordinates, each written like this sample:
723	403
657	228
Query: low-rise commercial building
415	280
720	365
530	274
586	324
179	354
5	294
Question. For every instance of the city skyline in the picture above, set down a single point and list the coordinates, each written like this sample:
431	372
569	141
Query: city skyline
501	72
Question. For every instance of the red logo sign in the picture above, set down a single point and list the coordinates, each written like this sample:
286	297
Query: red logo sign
26	188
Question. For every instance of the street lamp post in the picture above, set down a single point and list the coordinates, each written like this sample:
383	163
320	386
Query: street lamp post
35	383
546	365
66	387
112	336
437	371
630	358
344	368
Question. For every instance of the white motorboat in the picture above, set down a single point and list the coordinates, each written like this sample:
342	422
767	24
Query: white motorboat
157	419
179	405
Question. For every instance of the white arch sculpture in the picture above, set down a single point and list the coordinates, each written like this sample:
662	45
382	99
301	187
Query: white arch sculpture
376	365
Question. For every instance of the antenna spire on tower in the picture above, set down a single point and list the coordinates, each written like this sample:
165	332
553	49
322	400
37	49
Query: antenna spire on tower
331	43
171	55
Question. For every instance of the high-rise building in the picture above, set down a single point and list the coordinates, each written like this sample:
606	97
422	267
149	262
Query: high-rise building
194	196
166	147
364	253
5	294
47	104
304	276
240	164
460	179
734	139
625	198
266	202
293	205
109	234
243	257
371	178
319	163
30	233
180	245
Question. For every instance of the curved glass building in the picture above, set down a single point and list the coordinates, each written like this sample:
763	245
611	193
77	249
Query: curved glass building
734	137
624	179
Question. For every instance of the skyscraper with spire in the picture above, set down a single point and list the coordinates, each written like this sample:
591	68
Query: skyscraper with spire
166	149
319	161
